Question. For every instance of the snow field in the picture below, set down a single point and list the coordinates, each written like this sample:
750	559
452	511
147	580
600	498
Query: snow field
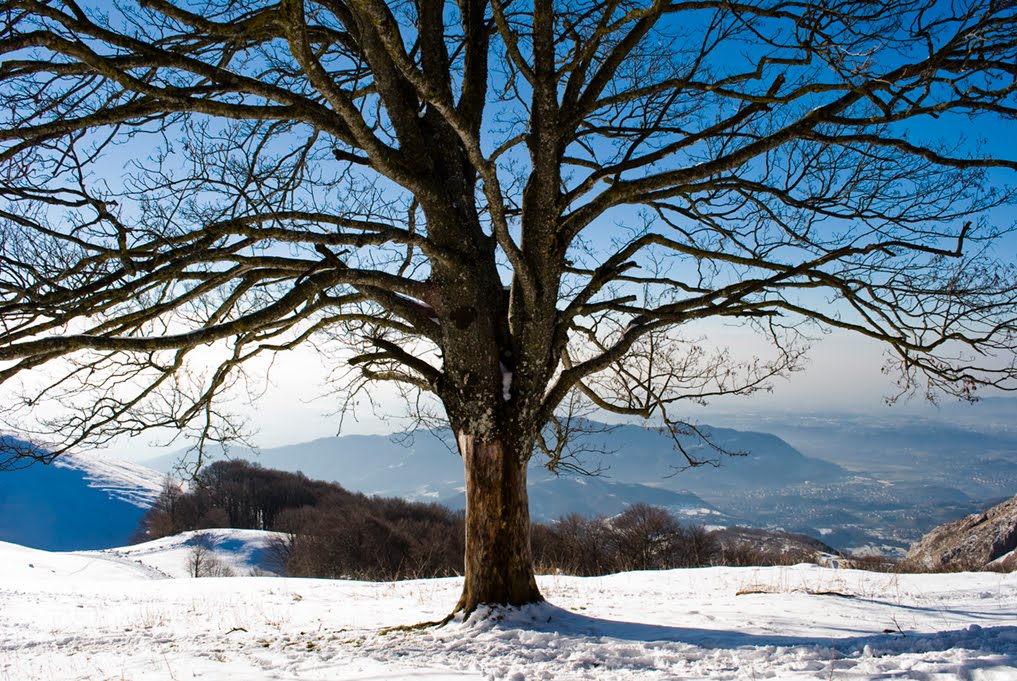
94	616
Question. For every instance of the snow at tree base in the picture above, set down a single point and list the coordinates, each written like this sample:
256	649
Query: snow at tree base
109	615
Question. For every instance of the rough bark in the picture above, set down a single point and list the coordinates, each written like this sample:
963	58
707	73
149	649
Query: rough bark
499	564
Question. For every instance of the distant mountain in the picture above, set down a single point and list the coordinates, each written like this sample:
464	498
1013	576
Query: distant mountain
739	460
422	466
977	458
911	471
553	497
418	465
637	465
900	478
78	502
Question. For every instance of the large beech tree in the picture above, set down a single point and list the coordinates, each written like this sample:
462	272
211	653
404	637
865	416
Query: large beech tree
516	206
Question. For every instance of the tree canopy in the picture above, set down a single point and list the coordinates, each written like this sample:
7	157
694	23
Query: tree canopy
514	206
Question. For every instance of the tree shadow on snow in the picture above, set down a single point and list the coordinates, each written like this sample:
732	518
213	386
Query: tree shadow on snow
996	642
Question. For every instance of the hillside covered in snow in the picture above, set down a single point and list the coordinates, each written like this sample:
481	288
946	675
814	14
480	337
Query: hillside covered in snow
77	502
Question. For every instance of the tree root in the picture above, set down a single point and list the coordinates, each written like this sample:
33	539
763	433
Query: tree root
420	626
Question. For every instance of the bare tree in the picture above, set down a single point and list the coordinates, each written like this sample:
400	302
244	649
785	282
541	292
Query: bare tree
501	204
202	560
646	537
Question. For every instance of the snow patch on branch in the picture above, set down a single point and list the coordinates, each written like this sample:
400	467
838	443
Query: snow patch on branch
506	383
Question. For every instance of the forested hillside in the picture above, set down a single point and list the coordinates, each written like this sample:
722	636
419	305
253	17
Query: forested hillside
332	532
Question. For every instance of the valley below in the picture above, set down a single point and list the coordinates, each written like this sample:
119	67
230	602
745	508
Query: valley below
860	483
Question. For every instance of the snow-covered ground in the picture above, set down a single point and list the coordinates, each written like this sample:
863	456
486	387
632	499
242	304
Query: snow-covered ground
104	615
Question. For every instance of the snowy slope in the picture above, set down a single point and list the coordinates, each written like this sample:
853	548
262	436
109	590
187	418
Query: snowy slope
26	566
243	551
84	617
78	502
122	480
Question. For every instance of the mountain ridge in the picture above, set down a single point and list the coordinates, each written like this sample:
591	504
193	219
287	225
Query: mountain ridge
637	464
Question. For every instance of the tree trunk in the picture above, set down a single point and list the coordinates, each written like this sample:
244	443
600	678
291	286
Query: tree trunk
499	563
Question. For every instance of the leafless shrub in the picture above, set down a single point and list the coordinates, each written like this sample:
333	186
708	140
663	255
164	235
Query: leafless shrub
641	538
874	563
203	562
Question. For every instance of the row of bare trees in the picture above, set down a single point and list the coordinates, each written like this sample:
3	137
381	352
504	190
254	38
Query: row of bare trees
333	533
330	531
371	538
642	538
